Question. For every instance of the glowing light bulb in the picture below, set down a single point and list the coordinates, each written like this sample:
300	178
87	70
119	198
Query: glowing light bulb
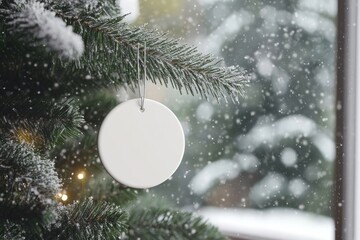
81	176
64	197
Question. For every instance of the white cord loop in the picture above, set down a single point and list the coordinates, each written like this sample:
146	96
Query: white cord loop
141	93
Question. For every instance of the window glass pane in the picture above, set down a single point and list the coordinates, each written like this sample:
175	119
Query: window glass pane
261	167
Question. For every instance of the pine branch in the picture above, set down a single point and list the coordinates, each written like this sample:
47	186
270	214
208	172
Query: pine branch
103	187
29	182
110	57
89	220
97	106
40	124
168	224
36	25
10	230
114	44
107	7
111	47
76	5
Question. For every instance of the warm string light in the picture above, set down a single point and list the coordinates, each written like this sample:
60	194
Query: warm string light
81	175
28	136
63	196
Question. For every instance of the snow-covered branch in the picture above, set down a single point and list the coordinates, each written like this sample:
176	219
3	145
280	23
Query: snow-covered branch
34	22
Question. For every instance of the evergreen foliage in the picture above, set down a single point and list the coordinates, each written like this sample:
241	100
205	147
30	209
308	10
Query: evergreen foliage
162	224
89	220
111	46
54	56
11	230
28	181
39	26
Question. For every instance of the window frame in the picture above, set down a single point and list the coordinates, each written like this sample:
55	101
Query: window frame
346	127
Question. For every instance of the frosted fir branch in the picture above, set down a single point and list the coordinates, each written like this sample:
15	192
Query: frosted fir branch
31	20
34	178
76	6
42	123
110	56
103	187
10	230
114	43
153	224
84	3
89	220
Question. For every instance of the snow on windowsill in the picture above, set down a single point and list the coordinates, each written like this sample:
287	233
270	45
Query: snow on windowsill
272	224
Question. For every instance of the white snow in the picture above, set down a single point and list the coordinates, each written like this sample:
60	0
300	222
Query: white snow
313	22
325	145
86	4
267	132
280	81
50	30
131	7
248	162
268	13
288	157
265	67
227	30
271	224
208	176
297	187
313	173
270	134
268	187
324	77
321	6
307	20
186	127
222	170
204	112
122	94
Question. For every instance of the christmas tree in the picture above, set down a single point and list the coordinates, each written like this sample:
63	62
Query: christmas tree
62	63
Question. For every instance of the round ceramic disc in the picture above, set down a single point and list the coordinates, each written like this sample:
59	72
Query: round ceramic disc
141	149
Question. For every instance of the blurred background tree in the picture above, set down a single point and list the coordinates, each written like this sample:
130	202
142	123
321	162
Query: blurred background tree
276	148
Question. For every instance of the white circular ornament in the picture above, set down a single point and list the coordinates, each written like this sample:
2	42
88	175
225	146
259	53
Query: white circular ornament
141	149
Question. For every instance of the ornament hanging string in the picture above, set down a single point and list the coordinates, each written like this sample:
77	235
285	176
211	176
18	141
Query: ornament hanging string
141	91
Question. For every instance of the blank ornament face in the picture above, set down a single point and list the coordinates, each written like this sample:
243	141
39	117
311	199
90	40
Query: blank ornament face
141	149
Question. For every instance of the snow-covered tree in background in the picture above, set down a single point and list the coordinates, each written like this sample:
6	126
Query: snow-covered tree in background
275	148
60	62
